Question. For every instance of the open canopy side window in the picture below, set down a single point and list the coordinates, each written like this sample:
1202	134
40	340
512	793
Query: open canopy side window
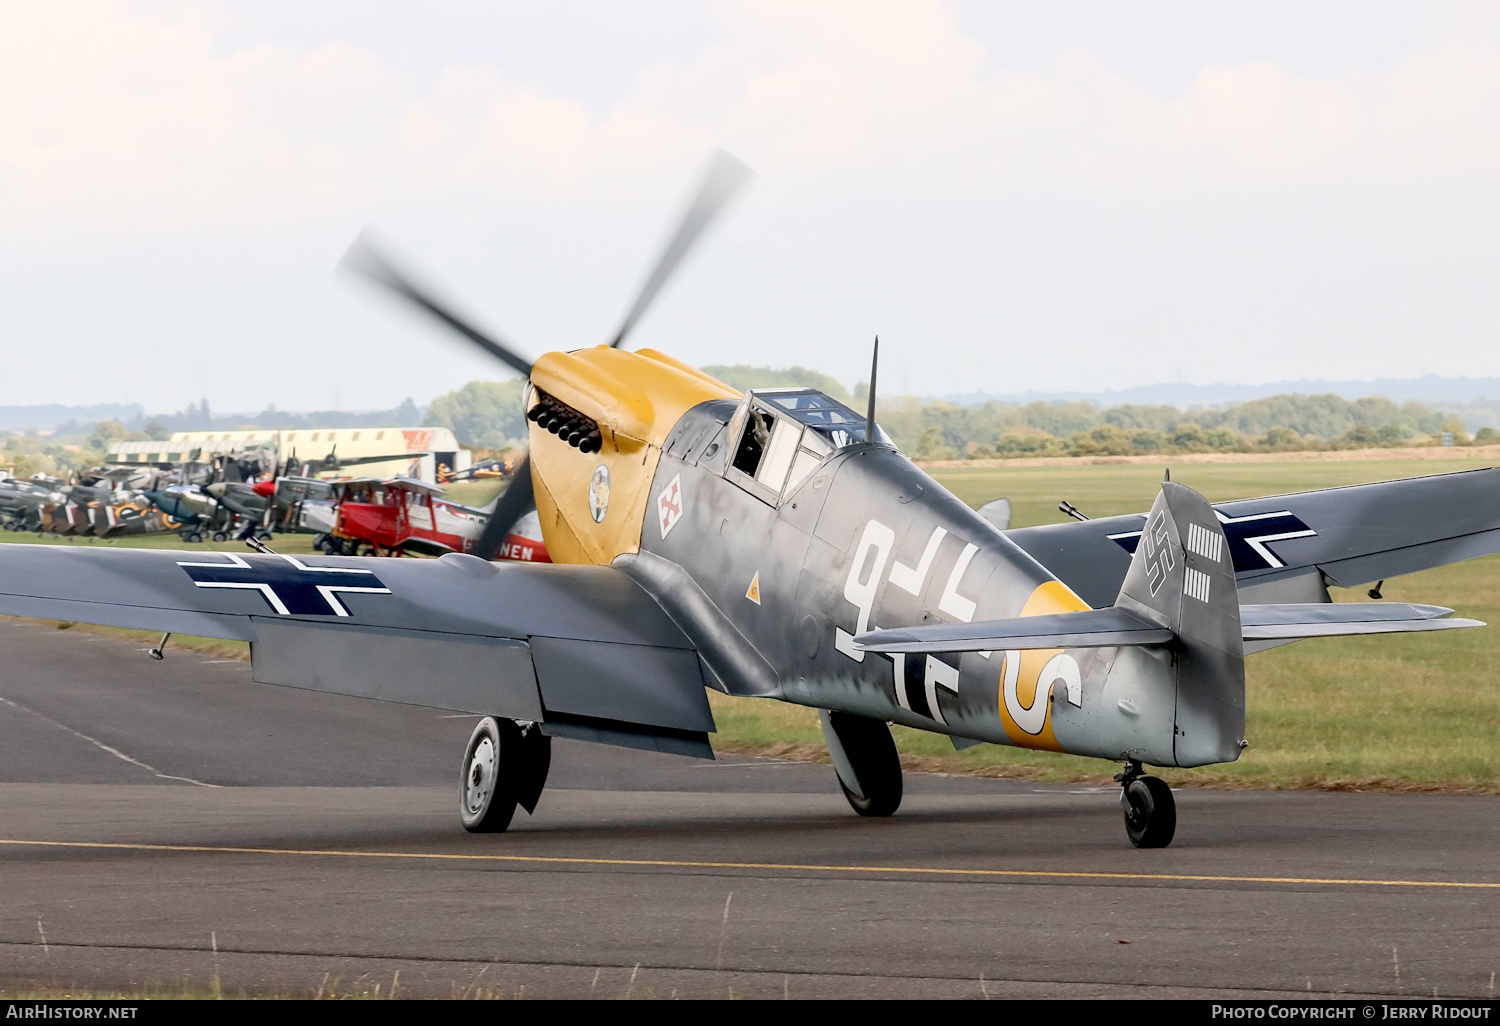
783	434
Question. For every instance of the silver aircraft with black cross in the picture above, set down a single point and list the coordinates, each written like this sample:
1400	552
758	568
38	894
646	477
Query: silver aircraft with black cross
776	545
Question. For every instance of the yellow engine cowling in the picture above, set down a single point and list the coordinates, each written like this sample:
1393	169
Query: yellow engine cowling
636	398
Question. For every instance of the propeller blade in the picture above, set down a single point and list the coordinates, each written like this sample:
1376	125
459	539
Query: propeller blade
515	503
362	259
725	176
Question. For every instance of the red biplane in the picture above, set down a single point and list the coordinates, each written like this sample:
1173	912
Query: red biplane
403	516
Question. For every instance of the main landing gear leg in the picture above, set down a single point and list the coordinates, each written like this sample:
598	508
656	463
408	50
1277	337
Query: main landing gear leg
1150	811
864	756
505	765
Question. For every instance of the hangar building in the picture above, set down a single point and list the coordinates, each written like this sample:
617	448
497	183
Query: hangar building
413	452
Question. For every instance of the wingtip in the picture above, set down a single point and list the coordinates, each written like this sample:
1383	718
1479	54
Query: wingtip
1428	612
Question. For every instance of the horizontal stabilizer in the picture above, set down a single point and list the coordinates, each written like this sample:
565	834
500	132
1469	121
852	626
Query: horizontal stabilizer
1088	628
1292	620
1104	628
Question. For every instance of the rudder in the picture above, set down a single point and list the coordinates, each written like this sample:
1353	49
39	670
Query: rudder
1182	578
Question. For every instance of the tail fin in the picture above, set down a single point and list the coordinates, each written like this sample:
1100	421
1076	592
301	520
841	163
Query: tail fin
1182	578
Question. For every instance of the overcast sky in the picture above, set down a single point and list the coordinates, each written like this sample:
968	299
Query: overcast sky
1014	195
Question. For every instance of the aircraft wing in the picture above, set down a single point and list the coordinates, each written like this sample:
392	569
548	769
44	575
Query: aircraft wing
1287	548
582	650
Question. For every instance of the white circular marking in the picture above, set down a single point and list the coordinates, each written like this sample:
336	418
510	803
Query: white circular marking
599	493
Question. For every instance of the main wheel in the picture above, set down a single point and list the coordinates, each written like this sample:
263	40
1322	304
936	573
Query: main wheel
868	752
1150	812
505	765
485	801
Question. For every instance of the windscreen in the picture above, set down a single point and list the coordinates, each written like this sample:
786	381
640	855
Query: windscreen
838	424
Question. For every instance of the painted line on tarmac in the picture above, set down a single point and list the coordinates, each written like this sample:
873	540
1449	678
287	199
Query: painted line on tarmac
789	867
101	745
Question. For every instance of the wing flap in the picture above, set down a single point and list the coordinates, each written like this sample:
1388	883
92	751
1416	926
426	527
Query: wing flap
626	683
484	676
1378	566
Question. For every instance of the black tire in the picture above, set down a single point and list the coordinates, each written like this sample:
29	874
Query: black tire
486	797
221	536
529	768
1150	812
872	754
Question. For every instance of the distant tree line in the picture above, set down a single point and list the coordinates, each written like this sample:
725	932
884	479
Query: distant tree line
937	430
490	415
200	417
933	429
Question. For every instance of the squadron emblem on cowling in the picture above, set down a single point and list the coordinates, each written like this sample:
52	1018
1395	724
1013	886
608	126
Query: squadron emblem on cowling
599	493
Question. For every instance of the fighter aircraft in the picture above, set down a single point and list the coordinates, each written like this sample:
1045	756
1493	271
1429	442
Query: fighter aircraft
776	545
20	500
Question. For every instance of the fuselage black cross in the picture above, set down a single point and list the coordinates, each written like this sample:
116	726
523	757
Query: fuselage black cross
289	586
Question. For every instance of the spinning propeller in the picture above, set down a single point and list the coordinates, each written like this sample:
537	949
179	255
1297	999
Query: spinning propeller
725	176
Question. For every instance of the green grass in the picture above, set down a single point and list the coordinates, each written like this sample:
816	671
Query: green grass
473	493
292	544
1398	712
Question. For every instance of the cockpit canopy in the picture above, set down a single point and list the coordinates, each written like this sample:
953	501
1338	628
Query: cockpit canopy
832	420
786	433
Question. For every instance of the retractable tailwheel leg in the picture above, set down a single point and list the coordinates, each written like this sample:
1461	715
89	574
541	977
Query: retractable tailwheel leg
1150	811
505	765
865	758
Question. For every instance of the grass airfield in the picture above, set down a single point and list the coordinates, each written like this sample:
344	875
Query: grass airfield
1412	712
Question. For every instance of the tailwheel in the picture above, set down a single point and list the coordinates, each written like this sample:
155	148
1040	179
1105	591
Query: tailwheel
865	759
1150	810
505	765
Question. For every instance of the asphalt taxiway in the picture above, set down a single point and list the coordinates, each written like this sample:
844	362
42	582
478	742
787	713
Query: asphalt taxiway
168	823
